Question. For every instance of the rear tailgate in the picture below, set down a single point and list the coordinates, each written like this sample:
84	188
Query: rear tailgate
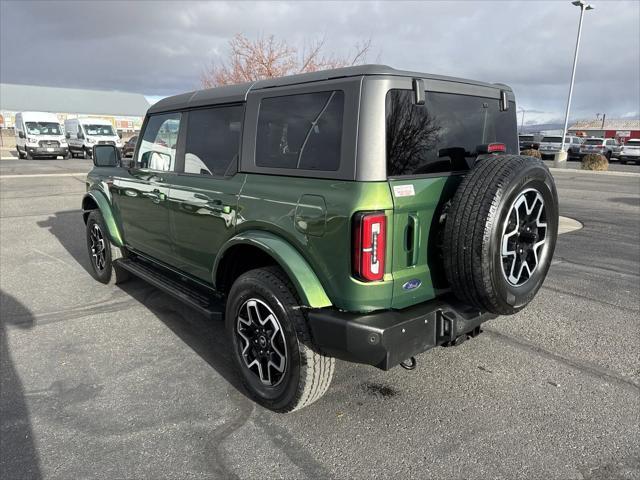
415	237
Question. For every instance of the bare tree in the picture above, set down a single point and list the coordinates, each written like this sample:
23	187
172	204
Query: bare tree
267	57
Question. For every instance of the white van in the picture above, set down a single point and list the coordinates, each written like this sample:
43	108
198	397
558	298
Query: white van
39	134
84	133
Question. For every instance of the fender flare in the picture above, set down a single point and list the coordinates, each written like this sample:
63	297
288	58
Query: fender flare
104	206
306	282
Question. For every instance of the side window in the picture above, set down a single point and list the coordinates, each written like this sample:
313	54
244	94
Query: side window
158	147
213	140
301	131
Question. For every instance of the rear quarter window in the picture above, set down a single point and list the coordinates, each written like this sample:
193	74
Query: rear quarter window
443	135
301	131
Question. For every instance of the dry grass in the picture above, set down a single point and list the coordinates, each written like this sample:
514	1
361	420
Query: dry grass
532	152
595	161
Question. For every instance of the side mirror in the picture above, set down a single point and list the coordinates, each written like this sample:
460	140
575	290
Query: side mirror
106	156
21	134
120	135
67	135
80	135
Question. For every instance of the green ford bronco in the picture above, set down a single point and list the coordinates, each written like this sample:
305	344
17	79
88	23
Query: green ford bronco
364	213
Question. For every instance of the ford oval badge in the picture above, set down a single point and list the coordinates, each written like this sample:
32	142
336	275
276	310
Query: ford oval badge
412	284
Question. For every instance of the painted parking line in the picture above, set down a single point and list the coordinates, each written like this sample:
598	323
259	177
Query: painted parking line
35	175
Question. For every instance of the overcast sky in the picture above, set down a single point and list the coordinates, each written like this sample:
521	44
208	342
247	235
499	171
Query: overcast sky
160	48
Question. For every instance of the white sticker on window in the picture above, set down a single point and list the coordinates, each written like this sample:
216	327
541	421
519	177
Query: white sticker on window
403	190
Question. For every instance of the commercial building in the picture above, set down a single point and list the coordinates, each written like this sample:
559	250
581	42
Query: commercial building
607	128
125	110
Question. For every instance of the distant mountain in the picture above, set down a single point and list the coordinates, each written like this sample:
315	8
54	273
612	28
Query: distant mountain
542	127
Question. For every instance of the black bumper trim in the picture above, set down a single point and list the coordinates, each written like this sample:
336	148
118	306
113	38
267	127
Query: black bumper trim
384	339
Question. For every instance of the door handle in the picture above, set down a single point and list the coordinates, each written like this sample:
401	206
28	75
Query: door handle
213	204
156	196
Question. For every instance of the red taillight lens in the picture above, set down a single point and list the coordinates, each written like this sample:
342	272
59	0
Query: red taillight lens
496	147
369	245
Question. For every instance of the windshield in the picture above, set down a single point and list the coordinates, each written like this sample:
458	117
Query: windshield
593	141
443	135
633	143
554	140
43	128
105	130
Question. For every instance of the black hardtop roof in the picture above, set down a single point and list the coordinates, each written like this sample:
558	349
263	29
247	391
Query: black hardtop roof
238	93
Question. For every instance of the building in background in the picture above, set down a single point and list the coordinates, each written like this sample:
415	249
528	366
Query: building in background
609	128
125	110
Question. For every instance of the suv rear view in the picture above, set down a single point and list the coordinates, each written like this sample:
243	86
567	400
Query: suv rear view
366	214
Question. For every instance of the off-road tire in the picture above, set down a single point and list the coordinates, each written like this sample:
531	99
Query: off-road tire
476	223
307	373
111	273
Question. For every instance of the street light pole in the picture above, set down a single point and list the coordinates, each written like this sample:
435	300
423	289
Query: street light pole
522	120
561	156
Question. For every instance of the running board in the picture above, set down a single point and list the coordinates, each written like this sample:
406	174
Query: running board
206	303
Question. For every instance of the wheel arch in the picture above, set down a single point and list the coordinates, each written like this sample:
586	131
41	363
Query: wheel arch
254	249
95	200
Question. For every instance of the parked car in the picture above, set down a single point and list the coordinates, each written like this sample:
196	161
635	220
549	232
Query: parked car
129	146
630	151
528	142
608	147
550	145
83	133
349	213
39	134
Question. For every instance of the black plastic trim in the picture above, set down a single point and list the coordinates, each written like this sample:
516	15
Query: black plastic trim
386	338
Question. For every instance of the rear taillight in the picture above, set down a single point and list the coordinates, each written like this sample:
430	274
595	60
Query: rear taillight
369	245
496	147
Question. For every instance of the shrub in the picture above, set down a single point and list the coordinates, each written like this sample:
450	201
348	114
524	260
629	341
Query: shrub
595	161
531	153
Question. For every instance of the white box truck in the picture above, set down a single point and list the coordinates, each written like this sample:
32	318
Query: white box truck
84	133
39	134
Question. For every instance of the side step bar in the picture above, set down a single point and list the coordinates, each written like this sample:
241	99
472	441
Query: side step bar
206	303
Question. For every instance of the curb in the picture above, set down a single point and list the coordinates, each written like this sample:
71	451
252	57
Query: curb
593	172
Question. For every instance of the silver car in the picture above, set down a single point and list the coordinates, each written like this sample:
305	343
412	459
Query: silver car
550	145
609	147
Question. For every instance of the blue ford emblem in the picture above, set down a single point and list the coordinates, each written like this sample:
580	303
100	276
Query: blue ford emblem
412	284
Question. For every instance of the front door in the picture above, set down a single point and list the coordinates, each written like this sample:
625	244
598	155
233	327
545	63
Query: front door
142	195
204	195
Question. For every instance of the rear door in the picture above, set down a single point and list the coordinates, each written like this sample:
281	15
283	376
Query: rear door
204	194
429	149
142	194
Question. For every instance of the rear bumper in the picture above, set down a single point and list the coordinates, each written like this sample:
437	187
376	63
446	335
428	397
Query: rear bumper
384	339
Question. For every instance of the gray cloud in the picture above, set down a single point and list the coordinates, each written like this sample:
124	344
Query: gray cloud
160	48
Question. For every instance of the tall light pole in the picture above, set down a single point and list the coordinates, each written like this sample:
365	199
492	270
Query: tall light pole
522	121
561	156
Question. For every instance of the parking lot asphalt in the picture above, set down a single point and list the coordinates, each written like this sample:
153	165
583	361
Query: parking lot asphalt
124	382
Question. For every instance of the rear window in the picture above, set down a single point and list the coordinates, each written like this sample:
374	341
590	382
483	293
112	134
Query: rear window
633	143
526	138
301	131
443	135
593	141
554	140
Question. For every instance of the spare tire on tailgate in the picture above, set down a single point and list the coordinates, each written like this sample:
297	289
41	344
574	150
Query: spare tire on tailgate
500	233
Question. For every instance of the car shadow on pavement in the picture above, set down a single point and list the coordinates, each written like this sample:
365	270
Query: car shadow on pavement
18	454
206	337
68	227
